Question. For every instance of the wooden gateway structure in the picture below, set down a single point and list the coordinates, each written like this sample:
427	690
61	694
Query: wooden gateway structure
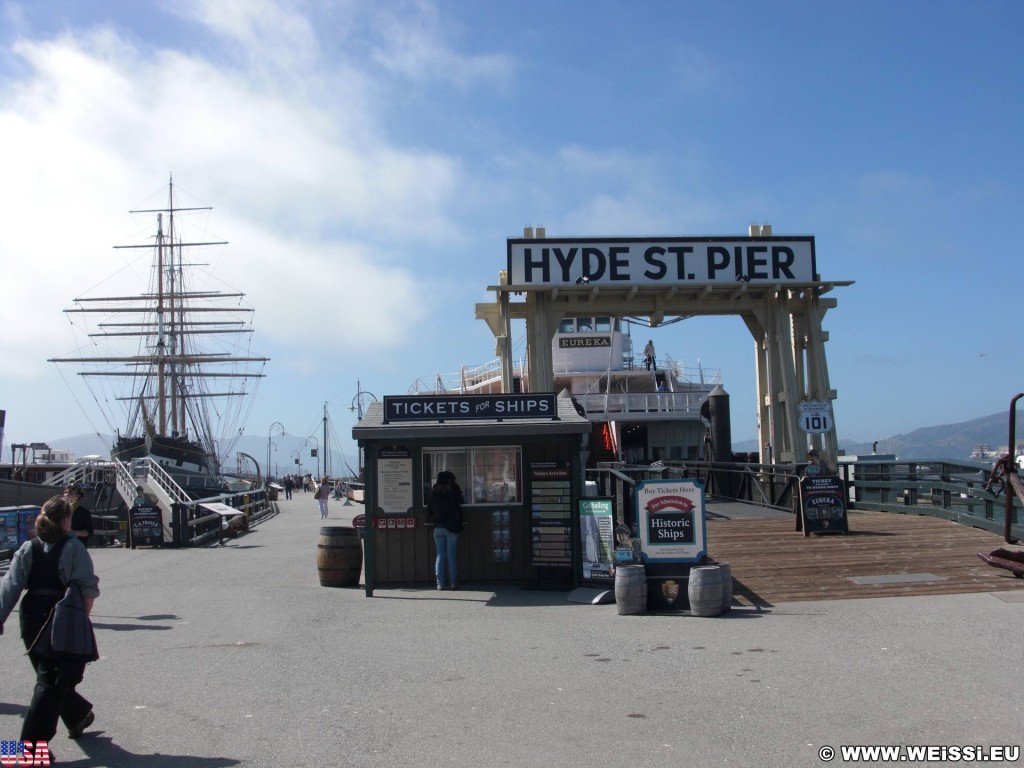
772	283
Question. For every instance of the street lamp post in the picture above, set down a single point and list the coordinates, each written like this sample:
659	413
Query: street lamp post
357	406
316	452
270	433
296	455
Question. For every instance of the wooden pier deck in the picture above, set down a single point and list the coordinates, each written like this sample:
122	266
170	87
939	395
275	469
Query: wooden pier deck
883	555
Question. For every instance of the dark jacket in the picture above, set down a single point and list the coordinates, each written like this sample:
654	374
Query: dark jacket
445	506
81	520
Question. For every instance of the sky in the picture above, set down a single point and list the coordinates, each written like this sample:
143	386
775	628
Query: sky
368	160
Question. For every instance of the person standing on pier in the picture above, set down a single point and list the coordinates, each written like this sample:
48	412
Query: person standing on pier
323	493
445	507
81	518
649	355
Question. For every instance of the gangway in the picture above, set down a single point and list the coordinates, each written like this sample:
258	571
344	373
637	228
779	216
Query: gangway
156	484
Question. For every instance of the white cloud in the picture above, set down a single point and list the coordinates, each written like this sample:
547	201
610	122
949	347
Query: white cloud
315	201
413	46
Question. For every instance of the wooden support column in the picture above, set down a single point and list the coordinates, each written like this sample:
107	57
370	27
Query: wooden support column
818	386
541	320
785	393
755	324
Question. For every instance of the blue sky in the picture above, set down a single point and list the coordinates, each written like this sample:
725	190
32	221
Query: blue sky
367	161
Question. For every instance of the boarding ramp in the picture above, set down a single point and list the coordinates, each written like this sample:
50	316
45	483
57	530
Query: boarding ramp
157	486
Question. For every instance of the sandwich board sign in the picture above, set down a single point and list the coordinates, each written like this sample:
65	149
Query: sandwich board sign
822	505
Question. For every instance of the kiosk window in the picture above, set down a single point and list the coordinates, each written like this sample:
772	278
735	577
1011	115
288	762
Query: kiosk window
488	475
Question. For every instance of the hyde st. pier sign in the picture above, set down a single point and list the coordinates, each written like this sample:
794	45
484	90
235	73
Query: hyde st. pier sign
661	261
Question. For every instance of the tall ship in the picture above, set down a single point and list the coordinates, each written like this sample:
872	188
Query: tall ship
171	362
642	407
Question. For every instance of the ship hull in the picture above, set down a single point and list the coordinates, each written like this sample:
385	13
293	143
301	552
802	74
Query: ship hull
185	461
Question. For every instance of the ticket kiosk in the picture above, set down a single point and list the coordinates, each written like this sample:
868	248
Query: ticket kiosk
518	460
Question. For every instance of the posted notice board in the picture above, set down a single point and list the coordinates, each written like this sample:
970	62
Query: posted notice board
822	505
671	518
394	481
550	513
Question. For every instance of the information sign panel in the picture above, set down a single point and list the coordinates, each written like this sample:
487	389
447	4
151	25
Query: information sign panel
671	517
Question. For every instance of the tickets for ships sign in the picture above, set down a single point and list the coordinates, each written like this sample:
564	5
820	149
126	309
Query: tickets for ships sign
671	519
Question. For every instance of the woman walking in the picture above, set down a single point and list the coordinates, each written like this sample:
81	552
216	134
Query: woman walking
445	506
43	568
323	493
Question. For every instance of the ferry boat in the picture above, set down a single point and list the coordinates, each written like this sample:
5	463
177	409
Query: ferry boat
156	355
641	411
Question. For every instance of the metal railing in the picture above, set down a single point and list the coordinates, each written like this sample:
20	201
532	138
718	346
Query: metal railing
963	492
84	472
953	490
194	526
643	403
470	377
767	485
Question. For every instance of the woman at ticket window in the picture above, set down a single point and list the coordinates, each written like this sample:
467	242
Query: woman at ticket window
445	507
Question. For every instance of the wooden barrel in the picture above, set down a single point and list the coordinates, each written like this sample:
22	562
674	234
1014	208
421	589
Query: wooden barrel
339	557
705	590
630	589
726	586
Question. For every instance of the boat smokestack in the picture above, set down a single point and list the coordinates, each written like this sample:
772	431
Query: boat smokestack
528	232
541	233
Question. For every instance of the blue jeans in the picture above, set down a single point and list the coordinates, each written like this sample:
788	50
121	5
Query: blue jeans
446	543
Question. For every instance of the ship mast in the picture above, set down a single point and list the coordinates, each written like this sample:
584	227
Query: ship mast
169	365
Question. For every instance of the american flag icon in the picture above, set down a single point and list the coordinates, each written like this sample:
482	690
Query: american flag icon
10	751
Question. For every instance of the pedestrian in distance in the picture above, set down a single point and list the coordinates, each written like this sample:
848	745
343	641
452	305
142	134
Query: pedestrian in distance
323	493
445	507
43	568
81	518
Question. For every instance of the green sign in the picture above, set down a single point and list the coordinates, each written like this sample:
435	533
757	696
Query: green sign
597	522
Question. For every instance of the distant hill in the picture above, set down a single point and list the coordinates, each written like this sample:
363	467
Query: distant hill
83	445
949	441
286	449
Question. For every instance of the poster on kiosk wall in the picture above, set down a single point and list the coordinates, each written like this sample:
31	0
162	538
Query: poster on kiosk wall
671	520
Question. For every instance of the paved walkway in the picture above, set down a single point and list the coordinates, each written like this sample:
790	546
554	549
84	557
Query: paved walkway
236	656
